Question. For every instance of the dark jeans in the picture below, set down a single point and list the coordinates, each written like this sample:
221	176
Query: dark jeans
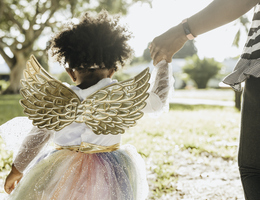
249	148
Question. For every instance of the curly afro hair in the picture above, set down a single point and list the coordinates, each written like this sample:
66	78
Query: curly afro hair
98	40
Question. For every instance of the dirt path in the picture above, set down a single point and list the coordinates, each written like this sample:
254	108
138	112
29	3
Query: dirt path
205	178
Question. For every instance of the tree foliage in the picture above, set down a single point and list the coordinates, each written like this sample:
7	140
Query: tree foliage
243	24
146	53
189	49
201	71
23	22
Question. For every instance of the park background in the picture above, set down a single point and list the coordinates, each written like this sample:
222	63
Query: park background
190	152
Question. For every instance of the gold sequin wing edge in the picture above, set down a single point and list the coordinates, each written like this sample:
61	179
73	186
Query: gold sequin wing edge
47	102
116	107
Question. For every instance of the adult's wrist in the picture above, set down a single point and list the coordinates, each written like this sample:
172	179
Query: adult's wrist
182	35
186	29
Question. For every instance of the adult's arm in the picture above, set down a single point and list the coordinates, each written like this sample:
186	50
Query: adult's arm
216	14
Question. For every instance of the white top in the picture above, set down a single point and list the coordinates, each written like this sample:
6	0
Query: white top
76	133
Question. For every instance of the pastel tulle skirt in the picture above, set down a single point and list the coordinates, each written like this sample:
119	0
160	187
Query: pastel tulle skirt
69	175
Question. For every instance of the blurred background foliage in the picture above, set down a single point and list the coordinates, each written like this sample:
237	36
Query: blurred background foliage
23	23
201	70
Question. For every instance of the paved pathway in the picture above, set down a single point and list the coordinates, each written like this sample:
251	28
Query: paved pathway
191	101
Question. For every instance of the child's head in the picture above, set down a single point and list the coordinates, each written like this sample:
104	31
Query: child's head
94	47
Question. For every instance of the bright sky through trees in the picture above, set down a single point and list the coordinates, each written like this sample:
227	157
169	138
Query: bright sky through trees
147	23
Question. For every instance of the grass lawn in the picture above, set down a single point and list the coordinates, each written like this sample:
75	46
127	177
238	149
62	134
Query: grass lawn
208	130
9	107
213	130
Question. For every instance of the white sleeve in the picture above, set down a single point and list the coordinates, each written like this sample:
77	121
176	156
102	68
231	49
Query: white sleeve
160	89
19	132
31	146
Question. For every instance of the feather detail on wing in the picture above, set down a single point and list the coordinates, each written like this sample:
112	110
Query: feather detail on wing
110	110
47	102
116	107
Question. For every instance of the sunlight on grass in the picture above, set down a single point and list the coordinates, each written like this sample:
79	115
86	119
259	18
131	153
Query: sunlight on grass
211	130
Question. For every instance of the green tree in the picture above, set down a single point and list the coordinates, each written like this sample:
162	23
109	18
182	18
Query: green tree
201	71
146	53
189	49
137	60
23	22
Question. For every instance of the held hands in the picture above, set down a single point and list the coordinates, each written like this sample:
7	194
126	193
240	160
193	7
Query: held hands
12	179
166	45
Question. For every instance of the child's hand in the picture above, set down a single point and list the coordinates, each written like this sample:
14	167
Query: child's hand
12	179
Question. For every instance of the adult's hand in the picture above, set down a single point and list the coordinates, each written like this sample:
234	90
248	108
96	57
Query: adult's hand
166	45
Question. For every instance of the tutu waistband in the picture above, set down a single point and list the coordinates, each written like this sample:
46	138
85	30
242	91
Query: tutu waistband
89	148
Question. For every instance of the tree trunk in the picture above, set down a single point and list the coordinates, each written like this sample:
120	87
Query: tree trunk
16	75
201	83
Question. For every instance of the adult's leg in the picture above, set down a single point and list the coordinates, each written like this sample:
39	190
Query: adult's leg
249	148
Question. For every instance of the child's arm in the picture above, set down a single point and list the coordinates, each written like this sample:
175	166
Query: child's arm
161	85
12	179
31	146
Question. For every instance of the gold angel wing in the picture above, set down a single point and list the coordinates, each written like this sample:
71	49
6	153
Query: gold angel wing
110	110
116	107
48	102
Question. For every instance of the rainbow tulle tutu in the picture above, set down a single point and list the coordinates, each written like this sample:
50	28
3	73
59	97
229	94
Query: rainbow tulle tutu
70	175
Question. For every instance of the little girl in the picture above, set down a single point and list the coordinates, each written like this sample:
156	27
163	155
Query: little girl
92	51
